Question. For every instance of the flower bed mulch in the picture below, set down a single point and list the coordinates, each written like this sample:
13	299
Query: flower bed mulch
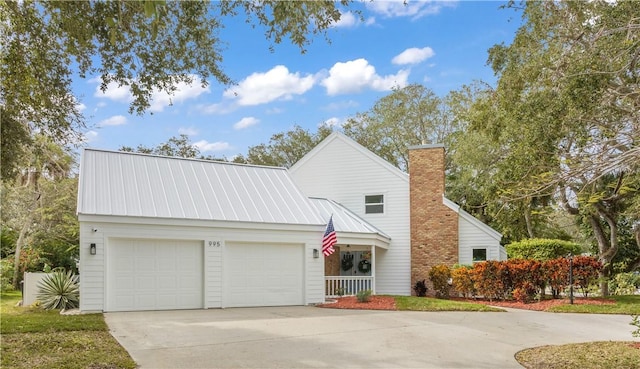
389	303
351	302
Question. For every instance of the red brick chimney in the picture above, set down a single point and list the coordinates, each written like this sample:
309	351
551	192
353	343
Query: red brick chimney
434	226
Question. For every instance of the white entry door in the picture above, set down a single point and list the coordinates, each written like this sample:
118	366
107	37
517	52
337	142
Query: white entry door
154	275
263	275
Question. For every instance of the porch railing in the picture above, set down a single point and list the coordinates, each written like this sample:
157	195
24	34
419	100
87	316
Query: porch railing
344	286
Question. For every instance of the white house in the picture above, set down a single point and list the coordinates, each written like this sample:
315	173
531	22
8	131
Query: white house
424	228
161	233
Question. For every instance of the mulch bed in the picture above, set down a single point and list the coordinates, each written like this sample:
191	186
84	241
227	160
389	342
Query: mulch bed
351	302
389	303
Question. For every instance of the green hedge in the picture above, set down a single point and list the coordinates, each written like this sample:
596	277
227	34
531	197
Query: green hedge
541	249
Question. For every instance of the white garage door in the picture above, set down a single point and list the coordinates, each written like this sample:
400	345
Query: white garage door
154	275
263	275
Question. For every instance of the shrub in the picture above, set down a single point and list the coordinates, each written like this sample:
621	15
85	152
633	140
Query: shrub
363	295
585	272
462	280
491	279
420	288
541	249
624	284
556	274
6	275
526	278
440	276
59	290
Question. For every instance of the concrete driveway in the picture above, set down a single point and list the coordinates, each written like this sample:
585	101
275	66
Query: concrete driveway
312	337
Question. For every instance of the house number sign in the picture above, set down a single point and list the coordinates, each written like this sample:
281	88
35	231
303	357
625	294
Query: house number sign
215	243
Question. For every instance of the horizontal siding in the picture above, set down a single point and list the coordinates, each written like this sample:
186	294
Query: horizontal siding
472	237
93	267
343	173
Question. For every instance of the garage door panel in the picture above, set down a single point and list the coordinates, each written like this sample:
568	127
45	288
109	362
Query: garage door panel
263	274
154	275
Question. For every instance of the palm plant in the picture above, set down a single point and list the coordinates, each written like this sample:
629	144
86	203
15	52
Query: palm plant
59	290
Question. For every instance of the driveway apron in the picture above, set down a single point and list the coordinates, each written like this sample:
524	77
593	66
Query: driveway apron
312	337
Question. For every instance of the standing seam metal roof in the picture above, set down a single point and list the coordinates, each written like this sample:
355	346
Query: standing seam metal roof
141	185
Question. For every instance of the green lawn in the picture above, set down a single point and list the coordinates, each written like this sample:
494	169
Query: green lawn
629	304
34	338
432	304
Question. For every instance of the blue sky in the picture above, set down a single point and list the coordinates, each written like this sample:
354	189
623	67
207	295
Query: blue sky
441	45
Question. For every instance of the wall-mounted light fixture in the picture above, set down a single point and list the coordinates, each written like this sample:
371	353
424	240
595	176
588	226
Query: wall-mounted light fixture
316	253
92	249
94	229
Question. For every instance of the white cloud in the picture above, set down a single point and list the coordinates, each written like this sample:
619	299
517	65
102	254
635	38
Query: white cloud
190	131
413	56
80	106
412	9
246	122
205	146
101	104
115	92
356	75
346	20
89	137
116	120
159	99
332	122
276	84
184	91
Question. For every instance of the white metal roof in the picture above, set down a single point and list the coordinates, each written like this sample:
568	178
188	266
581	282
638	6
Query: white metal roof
344	220
132	184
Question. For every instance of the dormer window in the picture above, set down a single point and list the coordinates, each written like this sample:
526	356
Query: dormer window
374	204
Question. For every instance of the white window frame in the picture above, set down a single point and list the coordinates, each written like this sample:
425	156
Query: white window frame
366	204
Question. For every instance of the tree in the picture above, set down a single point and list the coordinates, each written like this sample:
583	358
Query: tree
148	45
178	146
566	112
286	148
409	116
32	202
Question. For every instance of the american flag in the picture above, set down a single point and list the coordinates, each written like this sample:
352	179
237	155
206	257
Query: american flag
329	239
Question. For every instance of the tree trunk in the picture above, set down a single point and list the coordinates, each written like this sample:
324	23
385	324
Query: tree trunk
527	219
31	180
20	243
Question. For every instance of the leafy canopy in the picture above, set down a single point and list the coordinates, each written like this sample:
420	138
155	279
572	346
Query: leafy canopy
147	46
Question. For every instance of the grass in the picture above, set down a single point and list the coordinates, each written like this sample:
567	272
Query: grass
629	304
35	338
432	304
591	355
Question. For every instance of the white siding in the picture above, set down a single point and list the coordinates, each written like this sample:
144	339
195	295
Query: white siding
341	170
473	237
93	267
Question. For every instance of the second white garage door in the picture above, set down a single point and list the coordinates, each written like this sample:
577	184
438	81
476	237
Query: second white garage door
154	275
263	275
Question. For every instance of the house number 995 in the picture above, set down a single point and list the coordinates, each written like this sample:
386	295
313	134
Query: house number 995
214	243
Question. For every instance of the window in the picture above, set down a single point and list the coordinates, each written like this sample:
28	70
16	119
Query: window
374	204
479	255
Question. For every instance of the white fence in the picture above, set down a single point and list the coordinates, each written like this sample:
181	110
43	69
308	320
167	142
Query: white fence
344	286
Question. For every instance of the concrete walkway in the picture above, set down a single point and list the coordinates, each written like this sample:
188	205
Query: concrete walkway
311	337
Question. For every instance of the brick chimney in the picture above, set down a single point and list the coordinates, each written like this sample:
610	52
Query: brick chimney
434	226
